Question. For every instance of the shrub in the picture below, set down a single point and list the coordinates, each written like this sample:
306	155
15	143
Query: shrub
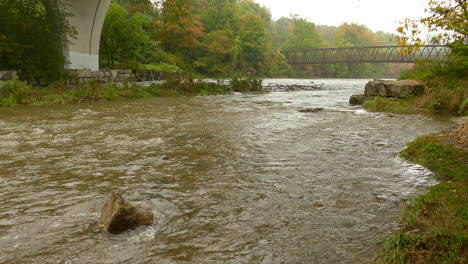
246	85
18	90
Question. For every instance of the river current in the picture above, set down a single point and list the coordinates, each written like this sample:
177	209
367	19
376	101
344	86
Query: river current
242	178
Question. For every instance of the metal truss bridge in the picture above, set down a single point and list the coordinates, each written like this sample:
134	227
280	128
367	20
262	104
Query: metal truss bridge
376	54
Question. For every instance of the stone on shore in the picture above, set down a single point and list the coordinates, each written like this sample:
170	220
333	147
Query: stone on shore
357	99
395	89
119	215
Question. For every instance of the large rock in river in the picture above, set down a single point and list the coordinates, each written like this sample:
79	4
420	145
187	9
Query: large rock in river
396	89
119	215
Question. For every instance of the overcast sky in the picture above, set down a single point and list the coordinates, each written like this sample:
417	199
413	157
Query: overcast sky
375	14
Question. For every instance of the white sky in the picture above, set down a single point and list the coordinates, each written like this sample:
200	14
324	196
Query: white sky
375	14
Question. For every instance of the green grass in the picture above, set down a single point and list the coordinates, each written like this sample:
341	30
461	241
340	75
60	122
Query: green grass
19	93
448	163
161	67
393	105
435	223
443	97
446	81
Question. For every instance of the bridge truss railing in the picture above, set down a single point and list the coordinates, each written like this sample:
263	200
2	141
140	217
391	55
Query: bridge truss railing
376	54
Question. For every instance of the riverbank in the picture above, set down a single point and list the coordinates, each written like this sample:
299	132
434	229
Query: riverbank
434	225
434	101
443	94
16	92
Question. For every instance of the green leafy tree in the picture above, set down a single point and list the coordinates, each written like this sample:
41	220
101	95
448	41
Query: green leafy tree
218	14
252	34
448	20
137	6
221	53
124	39
355	35
447	80
31	37
239	39
303	35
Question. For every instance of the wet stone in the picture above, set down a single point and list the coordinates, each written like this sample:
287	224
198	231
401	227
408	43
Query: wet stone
395	89
310	110
357	99
119	215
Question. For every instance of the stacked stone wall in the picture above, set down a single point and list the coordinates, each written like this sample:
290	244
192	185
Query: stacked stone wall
83	76
6	76
76	77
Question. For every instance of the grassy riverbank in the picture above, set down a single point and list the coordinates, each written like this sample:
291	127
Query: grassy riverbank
446	87
435	224
16	92
441	96
394	105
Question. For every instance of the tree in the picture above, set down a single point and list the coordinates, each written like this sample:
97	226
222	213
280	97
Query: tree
354	35
221	53
218	14
137	6
177	25
447	19
31	37
303	35
252	35
124	39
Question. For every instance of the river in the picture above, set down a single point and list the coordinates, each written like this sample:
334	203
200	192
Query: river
242	178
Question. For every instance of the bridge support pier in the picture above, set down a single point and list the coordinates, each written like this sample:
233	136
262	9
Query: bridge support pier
88	19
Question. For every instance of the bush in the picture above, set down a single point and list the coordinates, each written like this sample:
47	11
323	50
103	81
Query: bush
434	224
246	85
18	90
32	33
447	82
463	109
163	67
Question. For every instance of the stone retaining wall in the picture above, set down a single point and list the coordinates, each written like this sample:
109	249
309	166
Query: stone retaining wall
83	76
6	76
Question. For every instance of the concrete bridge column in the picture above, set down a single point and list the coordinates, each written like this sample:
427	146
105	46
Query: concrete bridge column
88	19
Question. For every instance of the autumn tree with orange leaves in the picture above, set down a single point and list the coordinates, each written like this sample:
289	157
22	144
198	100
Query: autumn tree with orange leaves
177	26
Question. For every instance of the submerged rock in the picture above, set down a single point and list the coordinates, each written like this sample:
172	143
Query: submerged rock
310	110
119	215
272	87
395	89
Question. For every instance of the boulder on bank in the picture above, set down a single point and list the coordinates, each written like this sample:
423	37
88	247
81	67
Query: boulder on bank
395	89
119	215
357	99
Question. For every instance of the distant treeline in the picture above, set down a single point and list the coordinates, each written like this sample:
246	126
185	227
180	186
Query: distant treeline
213	38
219	38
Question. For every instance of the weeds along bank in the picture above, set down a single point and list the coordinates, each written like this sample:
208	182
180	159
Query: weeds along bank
435	223
446	89
441	96
15	92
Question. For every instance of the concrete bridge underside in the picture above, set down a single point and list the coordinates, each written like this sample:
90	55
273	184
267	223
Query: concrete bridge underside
88	19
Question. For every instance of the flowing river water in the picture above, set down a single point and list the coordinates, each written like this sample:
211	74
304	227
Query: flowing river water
242	178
